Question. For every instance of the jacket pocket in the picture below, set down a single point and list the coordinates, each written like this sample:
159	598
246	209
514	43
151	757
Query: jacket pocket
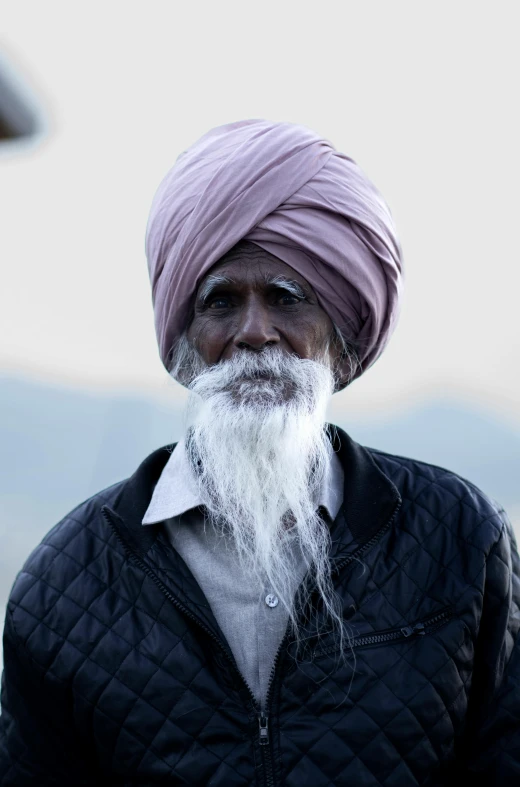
419	628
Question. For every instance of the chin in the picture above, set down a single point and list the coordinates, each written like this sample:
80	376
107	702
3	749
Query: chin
262	392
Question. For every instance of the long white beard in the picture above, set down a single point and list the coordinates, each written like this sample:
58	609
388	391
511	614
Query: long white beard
257	442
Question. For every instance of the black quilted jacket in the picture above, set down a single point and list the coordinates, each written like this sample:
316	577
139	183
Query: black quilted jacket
116	671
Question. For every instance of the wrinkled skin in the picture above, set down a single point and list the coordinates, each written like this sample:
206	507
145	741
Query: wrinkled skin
251	312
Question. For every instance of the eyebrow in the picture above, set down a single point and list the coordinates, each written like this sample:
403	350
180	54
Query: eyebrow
293	287
214	281
211	283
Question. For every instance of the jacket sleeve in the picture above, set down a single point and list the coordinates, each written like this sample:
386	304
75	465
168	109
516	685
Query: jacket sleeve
37	742
493	742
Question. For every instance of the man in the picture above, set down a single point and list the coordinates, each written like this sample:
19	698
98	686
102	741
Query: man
267	602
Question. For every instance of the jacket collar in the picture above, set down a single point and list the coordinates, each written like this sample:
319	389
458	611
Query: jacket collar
177	490
369	498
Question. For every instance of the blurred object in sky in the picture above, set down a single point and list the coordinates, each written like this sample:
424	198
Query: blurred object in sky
21	113
439	140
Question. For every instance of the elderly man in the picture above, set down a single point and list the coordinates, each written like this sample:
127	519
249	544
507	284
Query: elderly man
267	602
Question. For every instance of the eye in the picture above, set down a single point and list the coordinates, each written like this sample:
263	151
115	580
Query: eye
287	299
218	302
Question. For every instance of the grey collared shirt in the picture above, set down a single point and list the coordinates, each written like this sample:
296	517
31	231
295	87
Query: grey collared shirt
253	624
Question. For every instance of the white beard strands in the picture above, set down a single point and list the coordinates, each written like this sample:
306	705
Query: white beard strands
257	442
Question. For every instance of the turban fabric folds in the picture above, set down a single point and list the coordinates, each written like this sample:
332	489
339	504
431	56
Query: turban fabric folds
284	188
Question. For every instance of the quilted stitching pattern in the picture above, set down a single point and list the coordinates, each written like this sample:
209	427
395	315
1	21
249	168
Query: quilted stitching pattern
155	700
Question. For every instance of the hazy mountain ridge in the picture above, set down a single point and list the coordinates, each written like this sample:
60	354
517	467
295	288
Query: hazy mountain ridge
59	446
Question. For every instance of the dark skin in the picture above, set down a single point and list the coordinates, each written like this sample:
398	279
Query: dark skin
251	300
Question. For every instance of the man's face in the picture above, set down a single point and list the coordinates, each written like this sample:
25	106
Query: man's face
251	300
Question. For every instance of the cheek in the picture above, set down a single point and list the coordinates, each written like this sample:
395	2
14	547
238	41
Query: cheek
207	338
311	336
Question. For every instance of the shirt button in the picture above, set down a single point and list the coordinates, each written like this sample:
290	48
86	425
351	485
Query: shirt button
271	600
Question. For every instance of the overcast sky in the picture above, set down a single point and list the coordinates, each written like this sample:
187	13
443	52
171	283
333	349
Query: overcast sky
423	97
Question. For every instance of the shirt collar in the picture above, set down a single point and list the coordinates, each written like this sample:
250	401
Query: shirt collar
177	490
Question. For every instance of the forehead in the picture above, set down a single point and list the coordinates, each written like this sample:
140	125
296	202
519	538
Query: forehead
247	263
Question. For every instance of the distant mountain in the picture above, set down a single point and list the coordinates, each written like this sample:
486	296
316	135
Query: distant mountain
477	445
59	446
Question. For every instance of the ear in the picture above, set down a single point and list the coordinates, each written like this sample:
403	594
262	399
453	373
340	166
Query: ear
343	370
344	364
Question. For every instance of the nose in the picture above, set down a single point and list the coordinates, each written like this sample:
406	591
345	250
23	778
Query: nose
255	329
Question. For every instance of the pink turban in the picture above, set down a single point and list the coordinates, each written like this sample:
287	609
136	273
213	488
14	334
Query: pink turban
284	188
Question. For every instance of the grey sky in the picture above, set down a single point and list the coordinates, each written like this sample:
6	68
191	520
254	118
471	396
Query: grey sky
422	97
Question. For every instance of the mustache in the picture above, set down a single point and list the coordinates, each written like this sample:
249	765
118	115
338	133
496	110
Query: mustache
272	365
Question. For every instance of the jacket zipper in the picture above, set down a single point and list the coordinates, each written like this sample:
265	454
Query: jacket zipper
265	743
264	737
426	626
263	719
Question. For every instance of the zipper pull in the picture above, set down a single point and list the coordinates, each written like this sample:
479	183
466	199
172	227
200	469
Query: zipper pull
417	629
264	730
